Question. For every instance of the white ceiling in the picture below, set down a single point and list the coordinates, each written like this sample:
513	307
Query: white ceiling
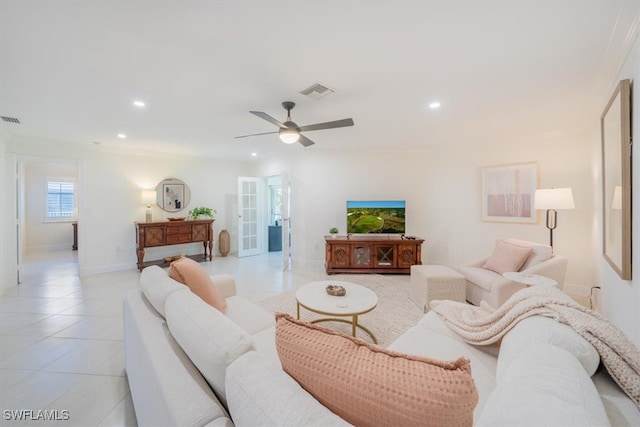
70	69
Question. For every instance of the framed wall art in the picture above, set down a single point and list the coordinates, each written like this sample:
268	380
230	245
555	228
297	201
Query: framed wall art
508	193
172	195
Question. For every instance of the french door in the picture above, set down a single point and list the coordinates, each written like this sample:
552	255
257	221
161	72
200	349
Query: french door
286	222
252	222
249	216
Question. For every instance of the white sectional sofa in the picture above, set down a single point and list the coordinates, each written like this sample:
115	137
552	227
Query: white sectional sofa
190	365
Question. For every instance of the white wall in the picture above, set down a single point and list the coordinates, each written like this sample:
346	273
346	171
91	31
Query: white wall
109	187
39	234
322	182
620	299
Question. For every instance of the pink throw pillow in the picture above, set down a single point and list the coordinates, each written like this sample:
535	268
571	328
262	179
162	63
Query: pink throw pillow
507	257
191	273
368	385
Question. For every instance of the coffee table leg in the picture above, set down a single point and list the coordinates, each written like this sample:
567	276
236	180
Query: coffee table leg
354	325
353	322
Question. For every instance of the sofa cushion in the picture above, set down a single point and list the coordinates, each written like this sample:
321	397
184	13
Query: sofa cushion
421	342
249	316
535	330
157	286
166	388
507	257
545	386
191	273
209	338
540	252
481	277
260	393
368	385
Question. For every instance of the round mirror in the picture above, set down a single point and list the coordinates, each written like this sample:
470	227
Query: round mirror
172	195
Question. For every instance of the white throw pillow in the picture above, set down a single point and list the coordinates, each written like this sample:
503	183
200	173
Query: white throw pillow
536	330
208	337
544	386
157	286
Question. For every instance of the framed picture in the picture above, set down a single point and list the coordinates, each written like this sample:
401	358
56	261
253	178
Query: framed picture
508	192
172	197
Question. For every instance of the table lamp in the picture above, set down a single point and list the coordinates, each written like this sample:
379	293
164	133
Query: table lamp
552	199
148	198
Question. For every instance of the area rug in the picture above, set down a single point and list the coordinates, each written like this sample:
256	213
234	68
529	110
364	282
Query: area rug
394	314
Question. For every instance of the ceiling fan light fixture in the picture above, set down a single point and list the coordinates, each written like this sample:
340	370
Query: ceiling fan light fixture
289	136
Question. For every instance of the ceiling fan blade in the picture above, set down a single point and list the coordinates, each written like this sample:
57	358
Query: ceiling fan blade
268	118
328	125
255	134
305	141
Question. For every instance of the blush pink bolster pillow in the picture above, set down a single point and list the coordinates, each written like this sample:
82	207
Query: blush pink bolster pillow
191	273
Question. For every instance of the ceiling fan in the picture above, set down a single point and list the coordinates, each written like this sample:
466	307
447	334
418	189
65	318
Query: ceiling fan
290	132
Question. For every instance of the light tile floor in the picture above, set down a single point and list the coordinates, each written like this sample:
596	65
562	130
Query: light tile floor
61	343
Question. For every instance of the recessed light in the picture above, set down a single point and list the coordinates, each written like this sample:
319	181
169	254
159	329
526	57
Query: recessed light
434	105
139	104
122	135
254	154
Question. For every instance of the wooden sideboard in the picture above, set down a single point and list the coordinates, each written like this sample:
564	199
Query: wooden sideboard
165	233
372	254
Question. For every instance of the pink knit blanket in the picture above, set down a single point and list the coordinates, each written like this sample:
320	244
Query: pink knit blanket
484	325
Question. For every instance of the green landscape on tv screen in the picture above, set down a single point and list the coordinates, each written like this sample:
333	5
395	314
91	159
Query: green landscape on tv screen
380	217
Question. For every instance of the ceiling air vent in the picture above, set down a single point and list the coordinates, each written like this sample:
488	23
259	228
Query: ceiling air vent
317	91
10	119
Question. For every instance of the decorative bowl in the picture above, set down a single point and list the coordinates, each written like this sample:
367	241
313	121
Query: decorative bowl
176	218
336	290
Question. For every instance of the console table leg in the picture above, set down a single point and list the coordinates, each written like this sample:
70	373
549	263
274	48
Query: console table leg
210	250
140	254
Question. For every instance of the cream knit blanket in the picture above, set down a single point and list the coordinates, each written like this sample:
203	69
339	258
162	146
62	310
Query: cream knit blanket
484	325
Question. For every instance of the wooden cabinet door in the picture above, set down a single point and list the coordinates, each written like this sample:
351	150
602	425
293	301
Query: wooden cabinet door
406	255
361	255
340	256
200	232
385	256
154	236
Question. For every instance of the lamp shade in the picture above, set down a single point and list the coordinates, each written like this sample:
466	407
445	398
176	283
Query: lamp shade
554	198
148	197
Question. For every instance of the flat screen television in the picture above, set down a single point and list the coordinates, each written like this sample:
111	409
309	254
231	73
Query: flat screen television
375	216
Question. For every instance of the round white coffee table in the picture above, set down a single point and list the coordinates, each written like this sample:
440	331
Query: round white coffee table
530	279
358	300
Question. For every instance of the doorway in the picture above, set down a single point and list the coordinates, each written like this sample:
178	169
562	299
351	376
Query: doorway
263	216
46	214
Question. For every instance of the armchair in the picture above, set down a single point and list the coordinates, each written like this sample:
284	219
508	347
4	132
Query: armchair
495	289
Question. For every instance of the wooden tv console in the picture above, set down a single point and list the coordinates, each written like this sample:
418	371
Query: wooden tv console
372	254
164	233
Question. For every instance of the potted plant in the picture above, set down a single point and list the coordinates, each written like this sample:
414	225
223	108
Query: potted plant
202	212
333	231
